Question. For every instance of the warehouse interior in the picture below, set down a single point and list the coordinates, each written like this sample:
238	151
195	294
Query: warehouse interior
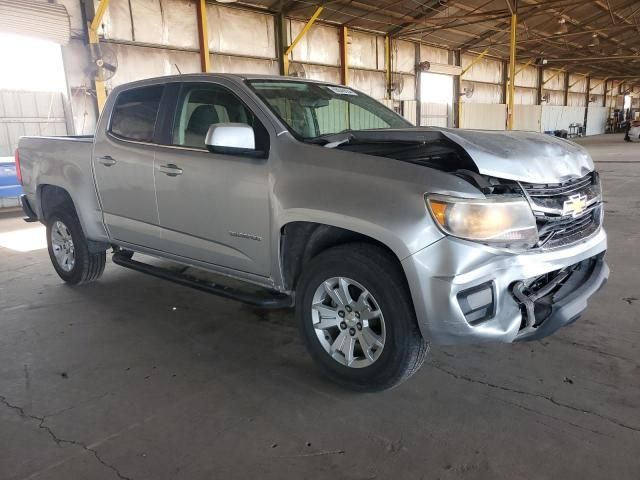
132	377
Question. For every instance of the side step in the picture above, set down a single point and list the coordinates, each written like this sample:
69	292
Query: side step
263	300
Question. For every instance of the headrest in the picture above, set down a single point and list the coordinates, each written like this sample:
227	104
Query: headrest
202	118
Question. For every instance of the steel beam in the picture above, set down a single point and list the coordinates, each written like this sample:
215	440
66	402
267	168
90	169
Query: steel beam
299	37
344	55
203	35
512	70
101	91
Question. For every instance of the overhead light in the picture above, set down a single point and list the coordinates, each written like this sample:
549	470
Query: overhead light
595	41
226	1
562	27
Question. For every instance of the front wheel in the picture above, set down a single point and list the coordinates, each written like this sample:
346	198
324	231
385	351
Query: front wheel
69	250
357	318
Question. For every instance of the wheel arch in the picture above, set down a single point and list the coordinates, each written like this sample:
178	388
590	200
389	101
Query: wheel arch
300	241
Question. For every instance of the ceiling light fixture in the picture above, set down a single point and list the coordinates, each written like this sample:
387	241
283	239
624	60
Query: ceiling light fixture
595	41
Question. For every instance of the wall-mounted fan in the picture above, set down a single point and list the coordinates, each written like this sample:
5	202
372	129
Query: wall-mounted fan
545	98
104	62
467	92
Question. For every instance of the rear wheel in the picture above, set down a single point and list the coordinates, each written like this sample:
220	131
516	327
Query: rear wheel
69	250
357	318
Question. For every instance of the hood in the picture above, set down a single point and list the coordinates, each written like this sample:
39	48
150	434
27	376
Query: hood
521	156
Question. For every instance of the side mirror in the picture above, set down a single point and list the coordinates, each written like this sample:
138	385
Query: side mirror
231	138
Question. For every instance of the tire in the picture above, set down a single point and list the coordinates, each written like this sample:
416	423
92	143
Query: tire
387	306
79	265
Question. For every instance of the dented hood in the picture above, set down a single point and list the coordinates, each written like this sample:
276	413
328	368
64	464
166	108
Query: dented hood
524	156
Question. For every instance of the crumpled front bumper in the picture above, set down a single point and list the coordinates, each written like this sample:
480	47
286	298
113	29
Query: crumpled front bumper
439	272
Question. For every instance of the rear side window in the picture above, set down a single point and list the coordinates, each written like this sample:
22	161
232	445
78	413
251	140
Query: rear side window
135	112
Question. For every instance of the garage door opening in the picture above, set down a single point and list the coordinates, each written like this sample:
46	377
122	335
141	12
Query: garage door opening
30	64
436	96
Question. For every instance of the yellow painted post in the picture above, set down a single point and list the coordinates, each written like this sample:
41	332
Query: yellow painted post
302	33
203	35
344	55
387	63
512	70
101	92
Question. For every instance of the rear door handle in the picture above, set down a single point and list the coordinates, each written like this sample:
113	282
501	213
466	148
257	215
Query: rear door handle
170	170
107	160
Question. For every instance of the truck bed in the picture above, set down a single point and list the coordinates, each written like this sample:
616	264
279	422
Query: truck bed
64	162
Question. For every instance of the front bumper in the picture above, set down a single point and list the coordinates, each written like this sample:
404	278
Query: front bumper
438	273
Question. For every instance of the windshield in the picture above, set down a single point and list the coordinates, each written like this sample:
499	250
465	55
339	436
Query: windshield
311	110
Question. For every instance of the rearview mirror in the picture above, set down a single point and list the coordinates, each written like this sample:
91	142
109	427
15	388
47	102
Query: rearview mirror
230	138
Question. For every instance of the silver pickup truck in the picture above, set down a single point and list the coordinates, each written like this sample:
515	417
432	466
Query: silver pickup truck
384	237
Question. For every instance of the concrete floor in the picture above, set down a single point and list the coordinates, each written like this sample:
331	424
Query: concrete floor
135	378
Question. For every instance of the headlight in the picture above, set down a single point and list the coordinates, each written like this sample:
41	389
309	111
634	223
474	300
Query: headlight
504	222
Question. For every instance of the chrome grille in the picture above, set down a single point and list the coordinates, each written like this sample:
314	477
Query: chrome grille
555	227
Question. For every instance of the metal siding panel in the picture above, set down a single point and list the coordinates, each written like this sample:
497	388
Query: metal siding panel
362	50
240	32
15	131
434	54
230	64
320	45
484	70
116	22
403	56
180	23
371	83
11	104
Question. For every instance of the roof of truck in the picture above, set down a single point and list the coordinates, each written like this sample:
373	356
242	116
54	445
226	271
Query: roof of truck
233	76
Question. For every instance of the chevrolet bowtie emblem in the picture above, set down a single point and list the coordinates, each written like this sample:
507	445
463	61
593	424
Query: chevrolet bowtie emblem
575	205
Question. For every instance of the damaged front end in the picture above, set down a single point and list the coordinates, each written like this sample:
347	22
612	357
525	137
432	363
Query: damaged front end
555	299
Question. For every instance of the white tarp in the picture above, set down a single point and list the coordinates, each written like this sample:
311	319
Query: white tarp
559	118
484	116
596	119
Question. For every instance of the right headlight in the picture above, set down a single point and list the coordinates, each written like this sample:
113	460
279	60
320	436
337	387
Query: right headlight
501	221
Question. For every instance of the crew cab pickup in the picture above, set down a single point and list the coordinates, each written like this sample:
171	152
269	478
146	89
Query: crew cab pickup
384	237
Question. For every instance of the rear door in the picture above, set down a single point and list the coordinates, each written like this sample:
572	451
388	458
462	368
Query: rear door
213	207
124	155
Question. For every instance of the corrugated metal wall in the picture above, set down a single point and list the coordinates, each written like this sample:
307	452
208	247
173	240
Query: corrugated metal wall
29	113
159	37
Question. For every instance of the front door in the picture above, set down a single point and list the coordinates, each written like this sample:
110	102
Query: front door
213	207
123	166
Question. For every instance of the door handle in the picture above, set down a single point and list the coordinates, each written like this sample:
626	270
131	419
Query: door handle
107	160
170	170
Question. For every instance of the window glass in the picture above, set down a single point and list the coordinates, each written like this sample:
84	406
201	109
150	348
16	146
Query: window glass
201	106
135	112
312	109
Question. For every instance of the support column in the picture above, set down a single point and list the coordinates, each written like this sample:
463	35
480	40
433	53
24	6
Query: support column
418	83
344	56
101	91
387	63
512	70
203	35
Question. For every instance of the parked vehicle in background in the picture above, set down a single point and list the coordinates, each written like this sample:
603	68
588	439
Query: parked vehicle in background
10	188
385	237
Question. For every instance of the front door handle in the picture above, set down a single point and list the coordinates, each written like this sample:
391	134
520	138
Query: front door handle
107	160
170	170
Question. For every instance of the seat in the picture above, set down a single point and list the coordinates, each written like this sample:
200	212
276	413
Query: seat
201	119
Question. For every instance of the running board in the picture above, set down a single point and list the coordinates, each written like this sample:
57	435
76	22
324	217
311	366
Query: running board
264	300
